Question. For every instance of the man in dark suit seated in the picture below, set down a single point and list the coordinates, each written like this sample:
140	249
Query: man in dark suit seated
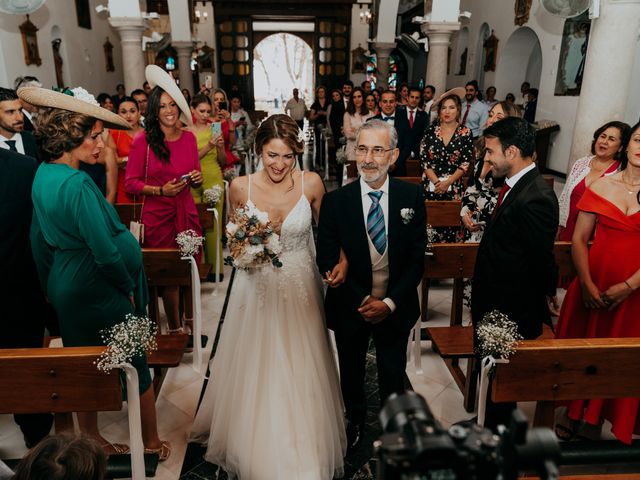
515	270
12	134
398	118
24	308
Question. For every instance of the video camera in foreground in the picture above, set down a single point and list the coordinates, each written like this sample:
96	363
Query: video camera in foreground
414	446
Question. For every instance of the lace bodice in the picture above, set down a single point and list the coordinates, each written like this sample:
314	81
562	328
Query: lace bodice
297	256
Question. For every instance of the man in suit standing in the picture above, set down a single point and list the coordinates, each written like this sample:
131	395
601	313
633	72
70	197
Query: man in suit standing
515	270
24	307
418	122
379	223
12	134
396	116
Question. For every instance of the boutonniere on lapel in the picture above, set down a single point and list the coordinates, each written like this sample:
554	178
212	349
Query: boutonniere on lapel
406	214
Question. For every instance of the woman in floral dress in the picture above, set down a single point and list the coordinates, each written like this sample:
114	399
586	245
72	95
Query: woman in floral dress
446	152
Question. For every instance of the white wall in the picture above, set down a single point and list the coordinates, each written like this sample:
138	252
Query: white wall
82	53
499	15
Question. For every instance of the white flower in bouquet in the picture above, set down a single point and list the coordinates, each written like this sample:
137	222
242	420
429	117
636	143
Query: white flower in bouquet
273	244
126	340
212	195
189	243
497	335
232	228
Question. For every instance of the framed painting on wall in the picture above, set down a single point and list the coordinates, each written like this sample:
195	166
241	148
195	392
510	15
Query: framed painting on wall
522	9
30	43
83	12
573	53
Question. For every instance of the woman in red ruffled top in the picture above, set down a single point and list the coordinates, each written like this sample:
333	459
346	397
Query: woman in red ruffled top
604	301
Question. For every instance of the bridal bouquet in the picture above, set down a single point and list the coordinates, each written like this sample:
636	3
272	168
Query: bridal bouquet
497	335
126	340
189	242
212	195
252	240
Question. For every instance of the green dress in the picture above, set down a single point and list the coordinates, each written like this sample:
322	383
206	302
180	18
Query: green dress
211	175
88	262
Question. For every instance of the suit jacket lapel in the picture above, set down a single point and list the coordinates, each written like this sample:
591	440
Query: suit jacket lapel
521	185
356	218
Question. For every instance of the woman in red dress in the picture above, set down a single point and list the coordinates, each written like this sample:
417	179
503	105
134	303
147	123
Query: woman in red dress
604	301
120	141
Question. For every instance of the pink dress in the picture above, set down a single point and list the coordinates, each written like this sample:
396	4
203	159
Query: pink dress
164	217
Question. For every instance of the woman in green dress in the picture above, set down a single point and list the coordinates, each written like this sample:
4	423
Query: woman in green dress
89	264
212	158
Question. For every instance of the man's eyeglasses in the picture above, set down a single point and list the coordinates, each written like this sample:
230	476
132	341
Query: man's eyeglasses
376	152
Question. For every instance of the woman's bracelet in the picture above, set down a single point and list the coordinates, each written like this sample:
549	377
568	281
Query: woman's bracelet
630	287
161	192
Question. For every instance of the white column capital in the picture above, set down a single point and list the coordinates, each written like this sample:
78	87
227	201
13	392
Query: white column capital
384	48
183	47
130	31
439	31
128	27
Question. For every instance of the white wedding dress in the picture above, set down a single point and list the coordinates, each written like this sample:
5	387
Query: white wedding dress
272	409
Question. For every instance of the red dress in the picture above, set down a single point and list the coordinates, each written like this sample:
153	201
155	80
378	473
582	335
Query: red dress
164	217
123	145
617	237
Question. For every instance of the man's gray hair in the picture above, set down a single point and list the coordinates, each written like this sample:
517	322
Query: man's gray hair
380	125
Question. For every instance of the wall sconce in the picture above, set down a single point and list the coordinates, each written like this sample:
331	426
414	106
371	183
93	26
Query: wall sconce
201	16
366	16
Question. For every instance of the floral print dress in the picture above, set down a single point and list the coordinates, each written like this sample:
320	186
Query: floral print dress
444	160
480	198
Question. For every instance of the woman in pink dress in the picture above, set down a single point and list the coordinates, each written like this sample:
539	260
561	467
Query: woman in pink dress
162	165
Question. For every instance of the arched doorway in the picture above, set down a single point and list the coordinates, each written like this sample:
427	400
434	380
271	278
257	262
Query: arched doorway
281	62
521	60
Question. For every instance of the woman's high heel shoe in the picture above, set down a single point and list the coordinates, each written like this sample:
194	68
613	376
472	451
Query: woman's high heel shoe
163	451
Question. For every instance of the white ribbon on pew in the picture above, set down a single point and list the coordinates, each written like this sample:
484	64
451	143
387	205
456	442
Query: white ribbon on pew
486	365
226	201
135	423
197	314
217	230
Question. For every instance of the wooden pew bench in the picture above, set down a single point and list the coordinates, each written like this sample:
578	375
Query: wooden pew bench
455	342
66	380
568	369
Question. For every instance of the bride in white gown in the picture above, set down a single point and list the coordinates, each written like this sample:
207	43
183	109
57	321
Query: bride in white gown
272	408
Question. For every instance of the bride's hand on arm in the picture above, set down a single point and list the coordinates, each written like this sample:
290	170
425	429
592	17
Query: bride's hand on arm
338	275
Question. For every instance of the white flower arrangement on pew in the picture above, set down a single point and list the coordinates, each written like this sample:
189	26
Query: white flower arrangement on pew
212	195
497	336
189	242
252	240
126	340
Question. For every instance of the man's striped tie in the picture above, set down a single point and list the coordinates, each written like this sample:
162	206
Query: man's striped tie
375	223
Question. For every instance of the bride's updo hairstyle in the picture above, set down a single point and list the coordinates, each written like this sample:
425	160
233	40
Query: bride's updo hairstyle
279	126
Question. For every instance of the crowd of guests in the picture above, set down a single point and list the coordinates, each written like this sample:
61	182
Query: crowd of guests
157	147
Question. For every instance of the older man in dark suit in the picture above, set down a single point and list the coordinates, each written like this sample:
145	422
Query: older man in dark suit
515	270
379	223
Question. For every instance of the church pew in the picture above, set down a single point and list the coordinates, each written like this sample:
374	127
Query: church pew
413	168
568	369
413	180
131	211
457	260
66	380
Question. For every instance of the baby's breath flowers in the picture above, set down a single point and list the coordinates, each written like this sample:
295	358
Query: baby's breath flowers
212	195
497	336
189	243
126	340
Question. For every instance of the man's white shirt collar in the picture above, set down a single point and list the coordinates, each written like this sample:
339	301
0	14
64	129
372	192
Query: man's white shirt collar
513	180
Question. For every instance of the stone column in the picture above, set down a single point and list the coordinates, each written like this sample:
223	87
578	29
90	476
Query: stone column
130	30
439	34
383	52
608	68
184	50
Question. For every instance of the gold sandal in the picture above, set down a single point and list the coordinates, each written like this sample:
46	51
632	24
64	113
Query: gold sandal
163	451
117	448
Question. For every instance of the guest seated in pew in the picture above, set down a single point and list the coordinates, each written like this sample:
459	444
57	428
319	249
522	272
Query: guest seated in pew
89	264
212	158
63	457
163	164
481	195
446	152
603	300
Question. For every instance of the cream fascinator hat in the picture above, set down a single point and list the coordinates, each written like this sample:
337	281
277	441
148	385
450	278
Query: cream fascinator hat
77	100
457	91
156	76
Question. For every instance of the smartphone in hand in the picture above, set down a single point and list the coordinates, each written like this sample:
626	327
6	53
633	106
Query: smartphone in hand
216	129
185	178
222	106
